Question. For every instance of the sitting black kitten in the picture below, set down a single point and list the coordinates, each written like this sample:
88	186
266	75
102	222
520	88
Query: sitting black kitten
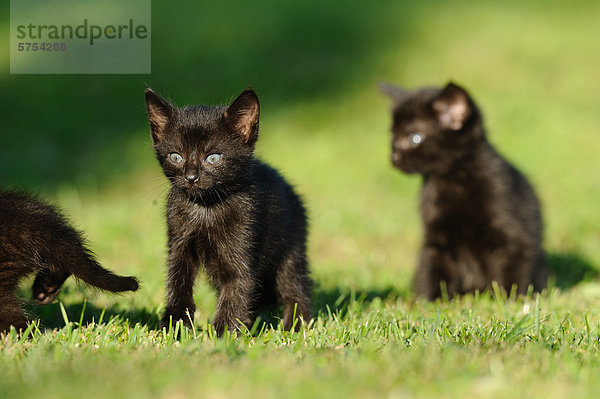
230	213
35	237
481	217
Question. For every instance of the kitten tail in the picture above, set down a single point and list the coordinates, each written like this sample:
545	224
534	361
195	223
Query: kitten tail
90	271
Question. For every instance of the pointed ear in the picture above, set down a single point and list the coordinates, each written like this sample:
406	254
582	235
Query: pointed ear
242	115
159	113
453	107
394	92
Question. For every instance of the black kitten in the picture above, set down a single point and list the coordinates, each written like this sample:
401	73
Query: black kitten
230	213
35	237
482	218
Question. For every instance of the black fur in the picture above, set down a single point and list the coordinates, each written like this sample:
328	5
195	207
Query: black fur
237	217
35	237
481	217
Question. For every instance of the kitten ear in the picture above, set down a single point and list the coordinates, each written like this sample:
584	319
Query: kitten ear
452	106
394	92
159	113
243	114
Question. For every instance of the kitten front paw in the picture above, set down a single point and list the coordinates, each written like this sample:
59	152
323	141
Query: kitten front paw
171	318
19	322
220	324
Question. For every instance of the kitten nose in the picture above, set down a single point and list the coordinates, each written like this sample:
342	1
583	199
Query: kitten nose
398	147
192	178
403	144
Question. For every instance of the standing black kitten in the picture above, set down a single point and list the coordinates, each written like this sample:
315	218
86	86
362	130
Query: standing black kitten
482	218
228	212
35	237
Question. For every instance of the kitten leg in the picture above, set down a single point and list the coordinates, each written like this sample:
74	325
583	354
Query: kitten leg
433	269
47	284
183	268
11	313
235	287
293	287
233	305
521	266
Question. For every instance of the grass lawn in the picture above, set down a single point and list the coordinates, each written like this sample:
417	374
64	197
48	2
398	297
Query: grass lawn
83	141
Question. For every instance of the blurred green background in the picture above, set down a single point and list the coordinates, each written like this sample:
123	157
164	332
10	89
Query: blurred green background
83	141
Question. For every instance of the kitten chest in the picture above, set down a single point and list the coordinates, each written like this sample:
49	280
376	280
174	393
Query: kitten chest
457	214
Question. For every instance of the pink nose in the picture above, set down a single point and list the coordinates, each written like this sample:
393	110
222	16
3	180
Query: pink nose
404	143
192	178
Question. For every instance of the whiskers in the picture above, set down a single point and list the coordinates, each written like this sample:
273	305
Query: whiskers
156	190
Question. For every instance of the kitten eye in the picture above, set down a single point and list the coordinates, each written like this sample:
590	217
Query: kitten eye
175	157
213	158
415	139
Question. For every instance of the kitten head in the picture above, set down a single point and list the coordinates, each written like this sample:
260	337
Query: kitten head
432	128
204	150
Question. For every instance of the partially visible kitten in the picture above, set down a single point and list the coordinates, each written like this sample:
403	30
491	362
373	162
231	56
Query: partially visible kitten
35	237
481	217
230	213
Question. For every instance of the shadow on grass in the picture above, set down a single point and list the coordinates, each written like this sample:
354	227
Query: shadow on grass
51	317
325	301
568	270
336	300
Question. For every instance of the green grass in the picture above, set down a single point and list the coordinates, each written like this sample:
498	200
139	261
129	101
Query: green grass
83	141
542	347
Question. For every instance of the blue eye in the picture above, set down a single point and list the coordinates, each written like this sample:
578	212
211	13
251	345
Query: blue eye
416	139
213	158
175	157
